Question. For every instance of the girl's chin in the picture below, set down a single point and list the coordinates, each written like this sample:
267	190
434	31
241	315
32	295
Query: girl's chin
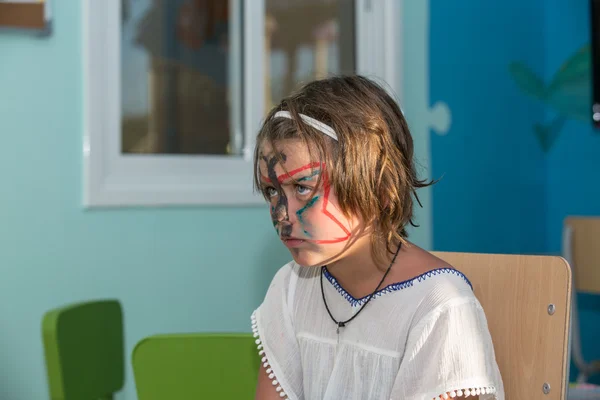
306	261
309	258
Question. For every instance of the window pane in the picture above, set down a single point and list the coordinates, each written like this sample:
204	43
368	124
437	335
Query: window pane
305	40
175	77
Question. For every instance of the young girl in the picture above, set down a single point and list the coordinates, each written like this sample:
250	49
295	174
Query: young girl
360	313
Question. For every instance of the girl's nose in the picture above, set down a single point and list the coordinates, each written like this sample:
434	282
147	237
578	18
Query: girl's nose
280	213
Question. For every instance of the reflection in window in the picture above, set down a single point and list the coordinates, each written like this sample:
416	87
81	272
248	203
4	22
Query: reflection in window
176	94
175	77
306	40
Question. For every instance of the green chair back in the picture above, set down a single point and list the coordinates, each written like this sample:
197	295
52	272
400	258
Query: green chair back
196	366
84	352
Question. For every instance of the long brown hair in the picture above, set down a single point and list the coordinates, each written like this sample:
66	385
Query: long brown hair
370	167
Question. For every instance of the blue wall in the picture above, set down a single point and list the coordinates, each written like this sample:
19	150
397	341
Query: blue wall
173	269
491	197
572	167
573	186
500	191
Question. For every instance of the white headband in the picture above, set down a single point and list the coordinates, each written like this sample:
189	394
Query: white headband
318	125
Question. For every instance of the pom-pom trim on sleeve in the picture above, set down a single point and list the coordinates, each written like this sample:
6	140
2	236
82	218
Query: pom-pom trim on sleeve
467	392
264	360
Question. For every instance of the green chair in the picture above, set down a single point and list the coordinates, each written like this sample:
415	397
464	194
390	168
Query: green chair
84	353
196	366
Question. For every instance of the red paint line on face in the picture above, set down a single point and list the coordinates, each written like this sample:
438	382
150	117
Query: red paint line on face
332	241
289	175
327	189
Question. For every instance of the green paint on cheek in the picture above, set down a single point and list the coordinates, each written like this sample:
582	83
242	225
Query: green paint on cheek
301	211
308	205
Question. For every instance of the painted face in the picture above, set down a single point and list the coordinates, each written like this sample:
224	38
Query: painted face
308	221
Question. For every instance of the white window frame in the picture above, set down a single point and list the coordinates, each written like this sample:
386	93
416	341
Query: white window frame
113	179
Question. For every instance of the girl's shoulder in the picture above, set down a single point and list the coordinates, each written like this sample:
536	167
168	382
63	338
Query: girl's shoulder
442	292
433	281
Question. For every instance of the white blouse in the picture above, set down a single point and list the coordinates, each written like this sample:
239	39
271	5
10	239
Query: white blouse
416	339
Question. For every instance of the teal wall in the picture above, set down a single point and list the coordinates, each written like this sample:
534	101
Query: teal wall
175	270
422	116
194	269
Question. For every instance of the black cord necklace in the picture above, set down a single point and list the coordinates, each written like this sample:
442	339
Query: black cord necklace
341	324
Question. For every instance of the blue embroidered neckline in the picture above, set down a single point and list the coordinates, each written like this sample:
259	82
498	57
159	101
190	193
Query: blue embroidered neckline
394	286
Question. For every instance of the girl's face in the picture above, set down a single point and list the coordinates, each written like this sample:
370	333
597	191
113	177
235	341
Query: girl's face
308	222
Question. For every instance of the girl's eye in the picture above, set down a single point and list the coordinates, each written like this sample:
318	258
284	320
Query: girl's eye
303	190
270	192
